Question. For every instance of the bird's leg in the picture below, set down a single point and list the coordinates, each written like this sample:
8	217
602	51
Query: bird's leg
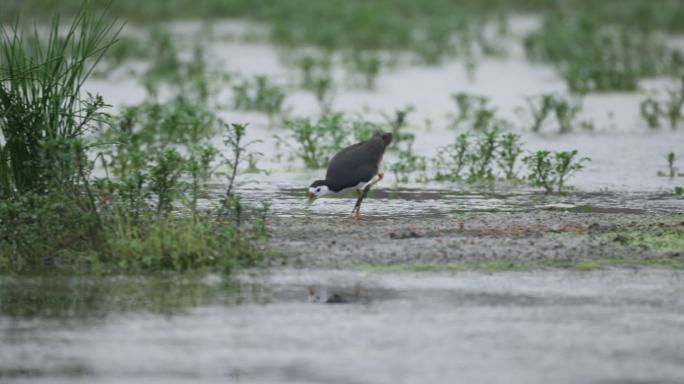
380	175
357	208
362	194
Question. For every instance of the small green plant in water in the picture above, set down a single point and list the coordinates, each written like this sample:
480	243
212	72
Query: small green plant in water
483	156
259	94
397	124
651	112
671	159
452	159
407	163
468	106
510	149
365	65
552	170
317	141
544	107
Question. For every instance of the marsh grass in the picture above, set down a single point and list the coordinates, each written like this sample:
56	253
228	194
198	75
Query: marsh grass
44	175
157	158
43	115
160	162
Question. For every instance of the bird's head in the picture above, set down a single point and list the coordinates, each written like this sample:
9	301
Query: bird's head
385	136
317	189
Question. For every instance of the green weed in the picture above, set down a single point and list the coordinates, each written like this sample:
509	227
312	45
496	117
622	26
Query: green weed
565	110
397	124
364	66
671	159
592	56
317	141
653	110
259	94
510	149
551	170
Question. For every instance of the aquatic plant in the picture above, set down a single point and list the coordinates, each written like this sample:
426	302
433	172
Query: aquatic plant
190	78
156	174
542	108
315	75
481	159
671	159
674	105
397	124
592	56
407	162
313	66
468	106
652	110
510	149
317	141
452	159
156	159
43	114
551	170
365	65
259	94
44	118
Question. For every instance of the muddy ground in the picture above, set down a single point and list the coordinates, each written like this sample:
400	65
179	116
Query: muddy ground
541	236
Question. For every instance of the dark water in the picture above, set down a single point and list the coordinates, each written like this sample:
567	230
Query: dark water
522	327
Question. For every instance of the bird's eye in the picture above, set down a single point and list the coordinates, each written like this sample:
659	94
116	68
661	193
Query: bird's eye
318	189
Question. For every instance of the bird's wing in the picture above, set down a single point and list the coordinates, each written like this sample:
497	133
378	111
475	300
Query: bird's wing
356	163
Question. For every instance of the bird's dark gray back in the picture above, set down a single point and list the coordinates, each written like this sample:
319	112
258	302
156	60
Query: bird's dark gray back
357	163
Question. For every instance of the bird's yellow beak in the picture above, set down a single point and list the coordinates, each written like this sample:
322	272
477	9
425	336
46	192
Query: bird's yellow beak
312	197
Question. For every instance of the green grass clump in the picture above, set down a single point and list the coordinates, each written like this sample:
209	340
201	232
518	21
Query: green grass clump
156	159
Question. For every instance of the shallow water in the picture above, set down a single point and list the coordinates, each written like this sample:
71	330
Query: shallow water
626	155
524	327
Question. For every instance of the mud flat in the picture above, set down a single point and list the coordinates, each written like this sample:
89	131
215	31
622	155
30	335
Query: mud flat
500	240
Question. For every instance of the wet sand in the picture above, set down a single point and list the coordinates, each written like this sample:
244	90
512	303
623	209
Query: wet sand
543	236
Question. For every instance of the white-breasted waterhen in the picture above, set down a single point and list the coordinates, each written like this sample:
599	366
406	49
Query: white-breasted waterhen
355	167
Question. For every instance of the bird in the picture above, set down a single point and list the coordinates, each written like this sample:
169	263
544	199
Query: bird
354	167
